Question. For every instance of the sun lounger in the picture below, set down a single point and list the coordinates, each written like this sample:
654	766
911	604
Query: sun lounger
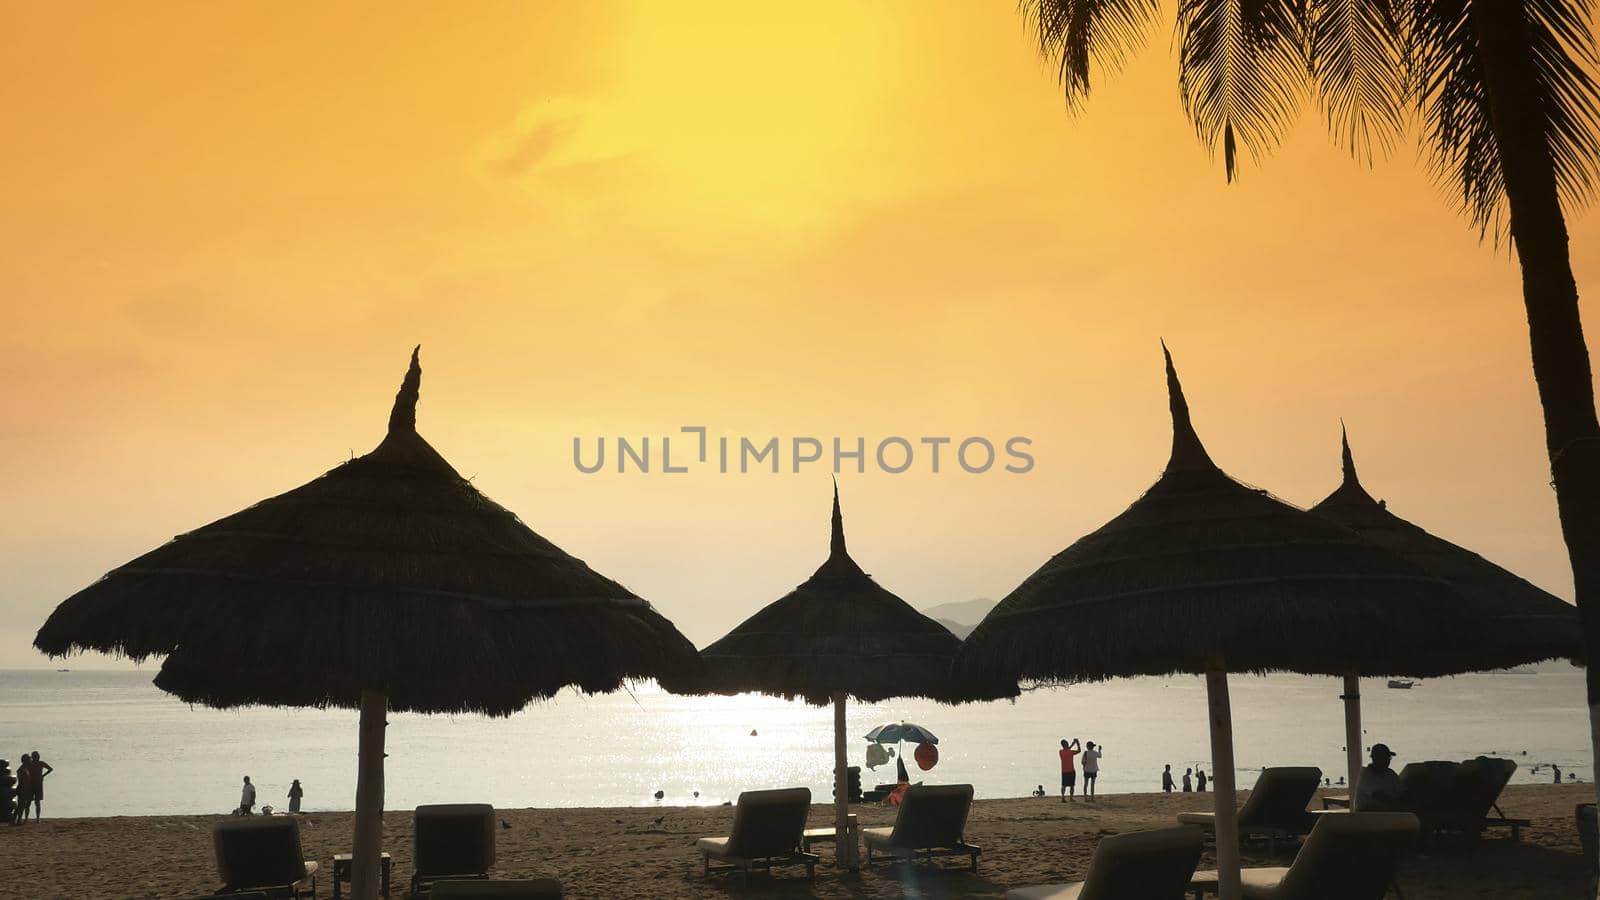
932	822
1457	798
1276	808
766	833
452	841
262	853
538	889
1351	856
1147	865
1479	782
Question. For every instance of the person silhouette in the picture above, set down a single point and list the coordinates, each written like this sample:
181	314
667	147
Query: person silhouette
40	770
1069	769
296	792
247	798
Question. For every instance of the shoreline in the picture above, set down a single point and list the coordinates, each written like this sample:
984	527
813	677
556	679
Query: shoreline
649	851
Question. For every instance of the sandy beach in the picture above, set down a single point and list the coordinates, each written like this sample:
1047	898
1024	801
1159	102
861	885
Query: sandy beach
648	852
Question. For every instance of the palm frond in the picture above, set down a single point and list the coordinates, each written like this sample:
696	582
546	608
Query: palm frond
1242	72
1354	51
1564	56
1559	97
1073	34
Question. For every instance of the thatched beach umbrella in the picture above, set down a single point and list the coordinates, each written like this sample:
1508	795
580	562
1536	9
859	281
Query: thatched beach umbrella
1204	575
1517	623
838	635
389	583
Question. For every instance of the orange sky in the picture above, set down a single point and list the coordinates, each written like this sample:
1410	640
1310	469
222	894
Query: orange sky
225	225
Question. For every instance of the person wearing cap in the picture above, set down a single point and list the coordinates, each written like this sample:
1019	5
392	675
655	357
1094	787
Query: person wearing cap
1379	787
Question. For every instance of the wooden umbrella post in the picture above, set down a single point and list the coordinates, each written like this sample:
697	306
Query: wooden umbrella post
843	840
1225	795
369	798
1352	731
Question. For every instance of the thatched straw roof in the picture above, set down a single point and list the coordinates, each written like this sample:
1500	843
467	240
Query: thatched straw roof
1205	573
839	632
389	573
1524	623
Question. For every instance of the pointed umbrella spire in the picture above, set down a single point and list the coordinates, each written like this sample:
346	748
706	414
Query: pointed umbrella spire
1349	491
1349	461
838	562
836	546
1187	451
404	415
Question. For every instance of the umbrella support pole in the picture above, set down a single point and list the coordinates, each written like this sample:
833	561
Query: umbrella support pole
1226	794
1352	730
844	842
368	842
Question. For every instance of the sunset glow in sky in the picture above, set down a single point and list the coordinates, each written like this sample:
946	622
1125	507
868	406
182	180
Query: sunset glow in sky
226	225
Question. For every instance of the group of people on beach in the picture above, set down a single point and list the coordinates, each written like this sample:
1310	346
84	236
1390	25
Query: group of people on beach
1191	777
247	798
31	771
1090	760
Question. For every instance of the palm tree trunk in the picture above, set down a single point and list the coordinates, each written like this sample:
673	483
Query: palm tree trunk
1555	332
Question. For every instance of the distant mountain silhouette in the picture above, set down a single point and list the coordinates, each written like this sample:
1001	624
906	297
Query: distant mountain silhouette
960	617
956	628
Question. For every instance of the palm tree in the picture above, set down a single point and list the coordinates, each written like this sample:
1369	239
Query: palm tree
1507	109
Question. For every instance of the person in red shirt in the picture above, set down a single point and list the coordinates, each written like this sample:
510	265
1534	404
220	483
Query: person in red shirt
1069	768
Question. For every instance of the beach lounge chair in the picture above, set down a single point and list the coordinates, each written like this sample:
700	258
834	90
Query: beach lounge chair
1276	808
452	841
1146	865
932	822
262	853
537	889
1457	798
1349	856
766	833
1477	788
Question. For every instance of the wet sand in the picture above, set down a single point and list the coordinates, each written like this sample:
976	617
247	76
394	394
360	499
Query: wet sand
649	852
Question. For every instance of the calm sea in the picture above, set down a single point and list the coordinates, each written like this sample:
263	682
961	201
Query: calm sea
122	747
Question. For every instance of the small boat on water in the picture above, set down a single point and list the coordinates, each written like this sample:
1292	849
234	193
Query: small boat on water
1402	684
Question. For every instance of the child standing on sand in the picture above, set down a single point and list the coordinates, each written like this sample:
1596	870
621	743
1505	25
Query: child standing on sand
295	793
24	789
1201	775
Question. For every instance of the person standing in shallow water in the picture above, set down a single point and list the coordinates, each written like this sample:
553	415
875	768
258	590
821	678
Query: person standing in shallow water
295	793
1069	769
